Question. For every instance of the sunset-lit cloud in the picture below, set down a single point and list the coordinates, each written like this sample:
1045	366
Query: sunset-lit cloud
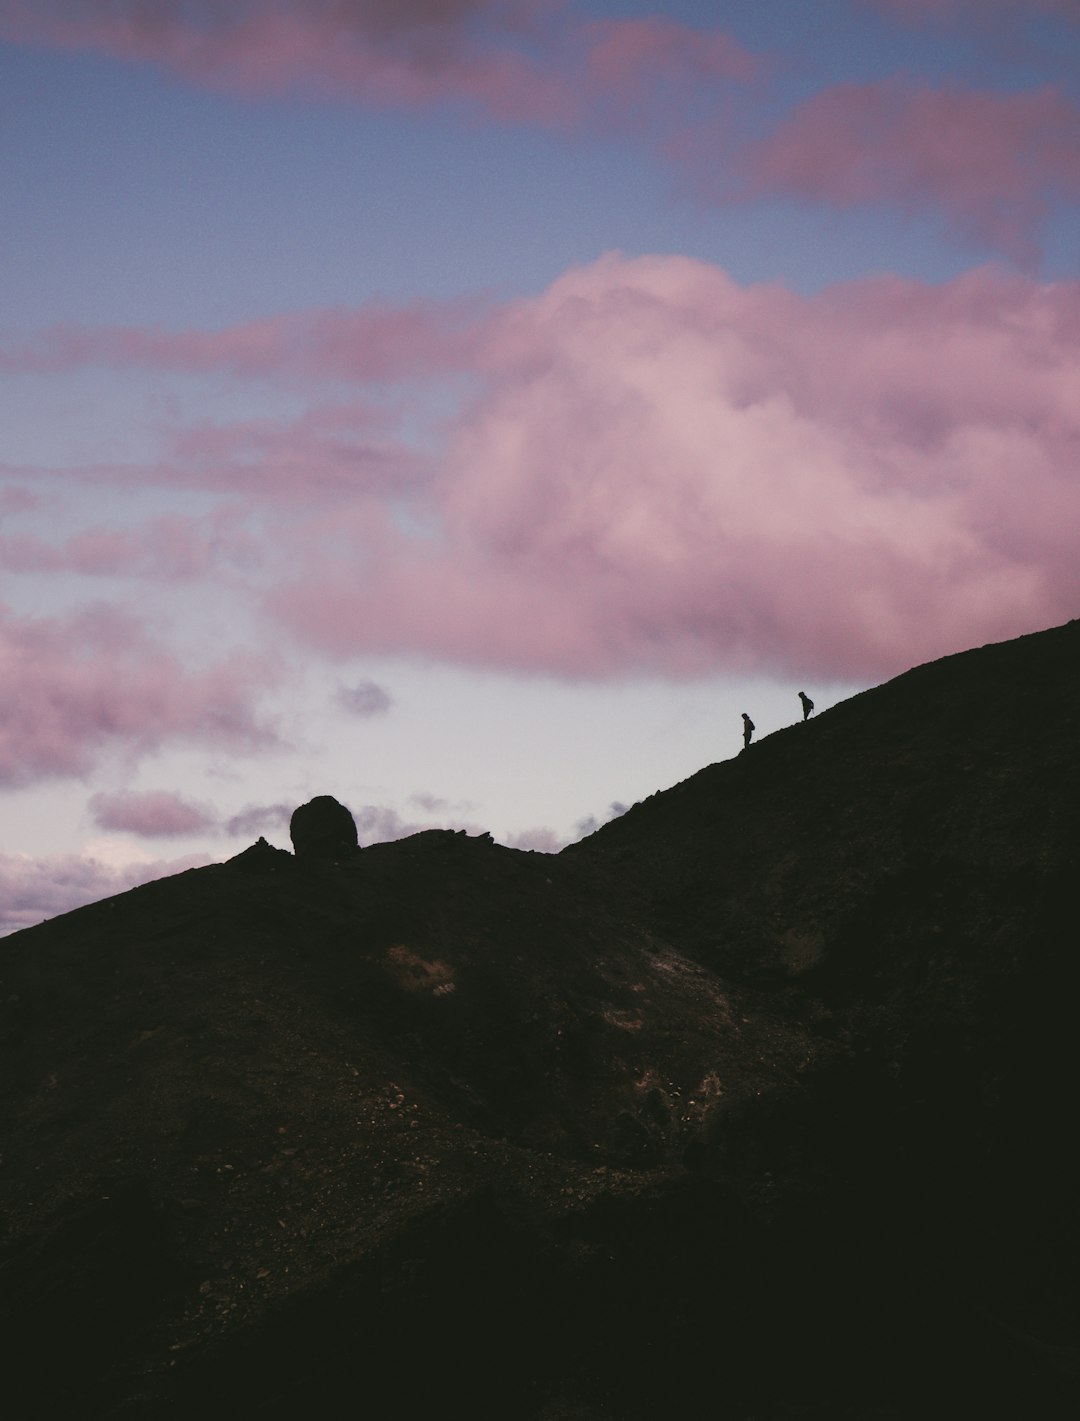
656	469
73	688
991	163
668	471
151	814
374	344
521	61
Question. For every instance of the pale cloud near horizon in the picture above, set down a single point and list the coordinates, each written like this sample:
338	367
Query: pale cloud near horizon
34	889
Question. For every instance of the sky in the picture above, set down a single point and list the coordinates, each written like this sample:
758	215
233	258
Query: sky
469	408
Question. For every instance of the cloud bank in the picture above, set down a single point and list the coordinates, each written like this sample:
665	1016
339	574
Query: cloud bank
667	473
647	469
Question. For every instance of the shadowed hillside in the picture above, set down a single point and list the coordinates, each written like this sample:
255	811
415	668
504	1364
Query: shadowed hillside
757	1103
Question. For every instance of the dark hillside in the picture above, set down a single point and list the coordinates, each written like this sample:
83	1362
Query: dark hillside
759	864
756	1104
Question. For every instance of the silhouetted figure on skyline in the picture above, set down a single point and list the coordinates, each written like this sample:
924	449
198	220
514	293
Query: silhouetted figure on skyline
747	729
807	704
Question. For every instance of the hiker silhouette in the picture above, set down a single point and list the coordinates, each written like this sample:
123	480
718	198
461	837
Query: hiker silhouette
747	729
807	704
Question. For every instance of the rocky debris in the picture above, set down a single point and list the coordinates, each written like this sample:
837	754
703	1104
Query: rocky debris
756	1103
323	830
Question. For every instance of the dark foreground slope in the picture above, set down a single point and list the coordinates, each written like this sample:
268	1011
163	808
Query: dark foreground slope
755	1104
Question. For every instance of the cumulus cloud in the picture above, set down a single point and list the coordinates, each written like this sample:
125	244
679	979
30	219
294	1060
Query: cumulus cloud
73	688
664	471
650	469
33	889
151	814
365	698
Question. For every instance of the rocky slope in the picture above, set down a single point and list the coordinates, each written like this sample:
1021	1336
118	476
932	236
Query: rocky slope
757	1103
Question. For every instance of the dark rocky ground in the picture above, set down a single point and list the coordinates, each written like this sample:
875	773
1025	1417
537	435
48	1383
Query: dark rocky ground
758	1104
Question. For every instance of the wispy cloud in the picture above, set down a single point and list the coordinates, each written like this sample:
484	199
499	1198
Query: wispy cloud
151	814
993	164
516	61
73	688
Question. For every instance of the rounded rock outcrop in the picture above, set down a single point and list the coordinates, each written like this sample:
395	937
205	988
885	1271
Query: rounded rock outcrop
323	830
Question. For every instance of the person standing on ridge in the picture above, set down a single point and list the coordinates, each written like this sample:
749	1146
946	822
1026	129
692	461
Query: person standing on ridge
747	729
807	704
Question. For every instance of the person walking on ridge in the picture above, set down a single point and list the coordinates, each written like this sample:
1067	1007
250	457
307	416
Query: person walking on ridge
747	729
807	704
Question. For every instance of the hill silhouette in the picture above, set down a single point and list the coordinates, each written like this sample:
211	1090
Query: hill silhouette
757	1103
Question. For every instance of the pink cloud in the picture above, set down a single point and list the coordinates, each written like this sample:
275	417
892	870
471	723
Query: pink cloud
992	163
71	689
171	547
151	814
32	890
374	343
523	61
650	469
15	500
648	73
407	53
328	450
665	472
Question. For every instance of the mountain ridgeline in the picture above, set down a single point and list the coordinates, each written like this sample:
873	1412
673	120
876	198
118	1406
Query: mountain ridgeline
757	1103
